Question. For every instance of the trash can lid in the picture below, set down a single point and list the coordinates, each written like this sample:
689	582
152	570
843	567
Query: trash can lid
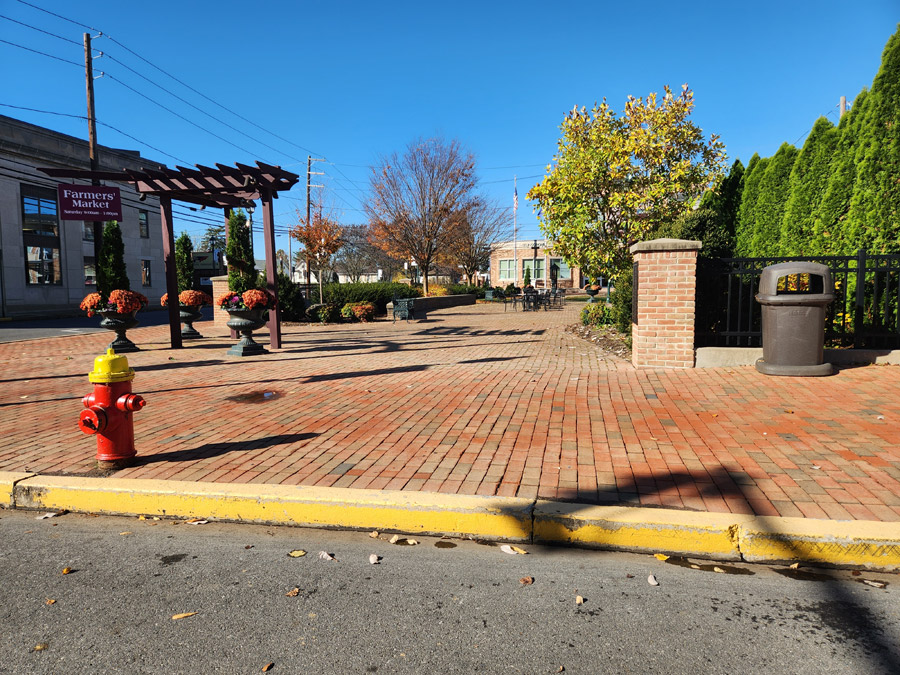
768	281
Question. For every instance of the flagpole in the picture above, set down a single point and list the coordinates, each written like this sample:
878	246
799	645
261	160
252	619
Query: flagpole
515	232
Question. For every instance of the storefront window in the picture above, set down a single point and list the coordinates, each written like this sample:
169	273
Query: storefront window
40	236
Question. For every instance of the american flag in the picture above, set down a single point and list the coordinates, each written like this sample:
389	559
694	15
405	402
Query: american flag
515	198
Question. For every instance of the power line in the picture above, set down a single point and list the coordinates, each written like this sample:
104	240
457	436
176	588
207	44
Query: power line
59	16
51	56
178	115
179	81
198	109
104	124
40	30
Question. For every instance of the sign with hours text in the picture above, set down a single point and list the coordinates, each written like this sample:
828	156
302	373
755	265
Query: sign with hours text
89	202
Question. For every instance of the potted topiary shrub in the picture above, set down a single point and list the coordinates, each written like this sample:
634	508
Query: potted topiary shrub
245	303
114	299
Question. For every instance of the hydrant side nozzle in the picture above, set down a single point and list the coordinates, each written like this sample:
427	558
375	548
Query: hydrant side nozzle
130	402
88	400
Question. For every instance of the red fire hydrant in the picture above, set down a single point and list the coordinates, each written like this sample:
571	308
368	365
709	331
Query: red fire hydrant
109	410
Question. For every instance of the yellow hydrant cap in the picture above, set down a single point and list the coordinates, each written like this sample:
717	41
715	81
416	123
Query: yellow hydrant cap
110	367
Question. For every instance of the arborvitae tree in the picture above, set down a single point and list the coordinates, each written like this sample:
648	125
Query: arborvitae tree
874	215
774	187
725	202
241	266
698	225
184	262
111	272
809	177
747	213
831	215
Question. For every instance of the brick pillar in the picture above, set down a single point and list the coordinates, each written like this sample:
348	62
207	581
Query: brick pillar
662	335
220	316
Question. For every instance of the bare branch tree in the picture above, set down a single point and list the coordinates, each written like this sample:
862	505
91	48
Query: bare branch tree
476	230
414	199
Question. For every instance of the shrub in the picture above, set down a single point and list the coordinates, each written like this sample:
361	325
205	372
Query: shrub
290	297
621	300
512	289
464	289
241	266
184	262
597	315
111	272
324	313
358	311
435	290
527	280
378	294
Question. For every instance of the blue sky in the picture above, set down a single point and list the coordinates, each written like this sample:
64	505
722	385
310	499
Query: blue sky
354	81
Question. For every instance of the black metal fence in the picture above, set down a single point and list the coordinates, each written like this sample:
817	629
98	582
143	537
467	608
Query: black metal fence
865	312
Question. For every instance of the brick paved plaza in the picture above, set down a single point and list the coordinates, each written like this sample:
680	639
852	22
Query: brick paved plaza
473	401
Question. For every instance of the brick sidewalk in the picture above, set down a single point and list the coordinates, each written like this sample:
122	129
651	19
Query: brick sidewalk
474	401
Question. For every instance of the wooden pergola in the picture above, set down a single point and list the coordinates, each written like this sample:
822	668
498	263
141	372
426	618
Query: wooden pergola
223	187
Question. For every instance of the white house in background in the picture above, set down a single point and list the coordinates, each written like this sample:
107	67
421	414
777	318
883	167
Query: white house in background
47	264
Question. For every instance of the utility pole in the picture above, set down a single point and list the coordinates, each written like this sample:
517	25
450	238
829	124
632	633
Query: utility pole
843	106
309	174
92	140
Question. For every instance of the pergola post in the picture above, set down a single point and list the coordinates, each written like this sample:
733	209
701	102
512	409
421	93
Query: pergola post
227	211
168	241
271	274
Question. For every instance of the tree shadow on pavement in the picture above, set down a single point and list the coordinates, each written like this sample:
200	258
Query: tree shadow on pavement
208	450
364	373
840	615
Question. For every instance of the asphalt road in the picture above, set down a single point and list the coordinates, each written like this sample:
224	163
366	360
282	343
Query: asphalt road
458	608
12	331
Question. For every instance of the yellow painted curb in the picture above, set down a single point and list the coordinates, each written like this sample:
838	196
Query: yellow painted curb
836	542
410	512
8	479
708	535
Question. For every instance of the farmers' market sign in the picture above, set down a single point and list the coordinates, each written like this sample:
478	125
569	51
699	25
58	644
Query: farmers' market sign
89	202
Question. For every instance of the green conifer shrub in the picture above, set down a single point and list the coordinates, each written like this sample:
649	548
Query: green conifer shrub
111	272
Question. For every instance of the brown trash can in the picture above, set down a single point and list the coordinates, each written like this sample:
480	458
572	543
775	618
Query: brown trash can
793	322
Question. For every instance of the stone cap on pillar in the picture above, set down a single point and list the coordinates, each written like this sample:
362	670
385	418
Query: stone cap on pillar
666	245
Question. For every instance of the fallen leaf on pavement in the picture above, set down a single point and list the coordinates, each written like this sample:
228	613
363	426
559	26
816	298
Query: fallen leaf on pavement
395	539
374	534
293	593
185	615
124	533
561	669
579	600
40	646
401	541
660	556
789	412
652	580
719	570
196	521
629	576
856	573
142	517
50	601
325	555
526	581
51	514
795	566
66	570
374	559
874	584
248	546
298	553
266	668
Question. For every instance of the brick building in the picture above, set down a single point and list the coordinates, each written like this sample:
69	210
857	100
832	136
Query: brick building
509	262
